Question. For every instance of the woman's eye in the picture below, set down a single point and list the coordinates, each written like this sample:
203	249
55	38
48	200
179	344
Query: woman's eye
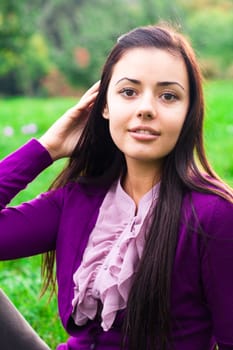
169	97
127	92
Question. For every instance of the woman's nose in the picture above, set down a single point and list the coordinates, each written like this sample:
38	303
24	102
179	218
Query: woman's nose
145	115
146	108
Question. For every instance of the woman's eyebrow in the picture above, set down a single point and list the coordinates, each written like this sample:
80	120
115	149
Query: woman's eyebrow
167	83
160	83
134	81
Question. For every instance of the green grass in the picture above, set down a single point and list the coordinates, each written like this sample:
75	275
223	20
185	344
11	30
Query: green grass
21	278
219	127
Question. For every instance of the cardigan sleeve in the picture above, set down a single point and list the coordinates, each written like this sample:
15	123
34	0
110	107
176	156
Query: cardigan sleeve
31	227
217	271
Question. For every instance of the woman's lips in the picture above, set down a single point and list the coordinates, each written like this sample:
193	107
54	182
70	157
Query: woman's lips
144	133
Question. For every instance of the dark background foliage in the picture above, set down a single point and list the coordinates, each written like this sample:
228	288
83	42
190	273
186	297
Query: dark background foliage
57	47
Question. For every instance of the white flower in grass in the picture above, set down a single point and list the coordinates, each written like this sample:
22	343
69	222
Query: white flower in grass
8	131
230	129
29	128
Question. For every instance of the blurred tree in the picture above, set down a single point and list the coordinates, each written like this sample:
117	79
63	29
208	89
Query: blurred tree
153	11
213	40
23	56
210	30
13	36
59	22
100	24
73	37
91	28
193	5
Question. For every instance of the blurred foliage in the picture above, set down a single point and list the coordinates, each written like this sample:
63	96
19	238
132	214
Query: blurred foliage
99	23
24	55
211	33
68	41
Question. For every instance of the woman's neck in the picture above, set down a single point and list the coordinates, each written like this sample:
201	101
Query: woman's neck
139	180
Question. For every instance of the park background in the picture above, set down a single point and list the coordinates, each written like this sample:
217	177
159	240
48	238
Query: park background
52	50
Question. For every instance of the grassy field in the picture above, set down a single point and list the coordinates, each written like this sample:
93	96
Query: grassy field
21	278
219	127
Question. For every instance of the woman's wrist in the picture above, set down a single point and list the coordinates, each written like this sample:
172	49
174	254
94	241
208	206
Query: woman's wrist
51	150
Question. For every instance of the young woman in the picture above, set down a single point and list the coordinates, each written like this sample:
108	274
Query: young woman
141	225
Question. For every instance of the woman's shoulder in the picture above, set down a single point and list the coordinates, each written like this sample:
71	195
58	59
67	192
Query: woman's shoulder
212	210
75	194
85	189
205	202
208	197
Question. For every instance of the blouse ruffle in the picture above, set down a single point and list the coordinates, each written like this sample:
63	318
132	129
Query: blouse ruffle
111	257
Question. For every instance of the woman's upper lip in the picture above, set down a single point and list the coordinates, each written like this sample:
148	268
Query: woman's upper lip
142	128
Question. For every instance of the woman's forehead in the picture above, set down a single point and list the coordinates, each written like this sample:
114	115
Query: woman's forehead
150	63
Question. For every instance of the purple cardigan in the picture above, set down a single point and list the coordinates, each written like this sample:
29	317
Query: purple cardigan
202	280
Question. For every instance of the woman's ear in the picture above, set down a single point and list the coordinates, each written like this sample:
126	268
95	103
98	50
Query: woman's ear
106	112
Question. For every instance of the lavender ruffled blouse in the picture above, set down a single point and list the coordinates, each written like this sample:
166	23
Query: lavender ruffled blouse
111	256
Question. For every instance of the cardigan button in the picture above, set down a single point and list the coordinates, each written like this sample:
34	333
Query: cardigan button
97	293
92	346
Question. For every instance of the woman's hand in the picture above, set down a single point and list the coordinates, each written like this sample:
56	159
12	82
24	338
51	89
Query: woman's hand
61	138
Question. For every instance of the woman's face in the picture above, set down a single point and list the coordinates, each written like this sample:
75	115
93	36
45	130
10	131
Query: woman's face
147	102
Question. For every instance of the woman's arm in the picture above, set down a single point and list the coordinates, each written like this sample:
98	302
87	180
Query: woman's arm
217	268
20	168
31	227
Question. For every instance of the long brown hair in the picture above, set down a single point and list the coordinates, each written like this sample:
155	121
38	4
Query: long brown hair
97	159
